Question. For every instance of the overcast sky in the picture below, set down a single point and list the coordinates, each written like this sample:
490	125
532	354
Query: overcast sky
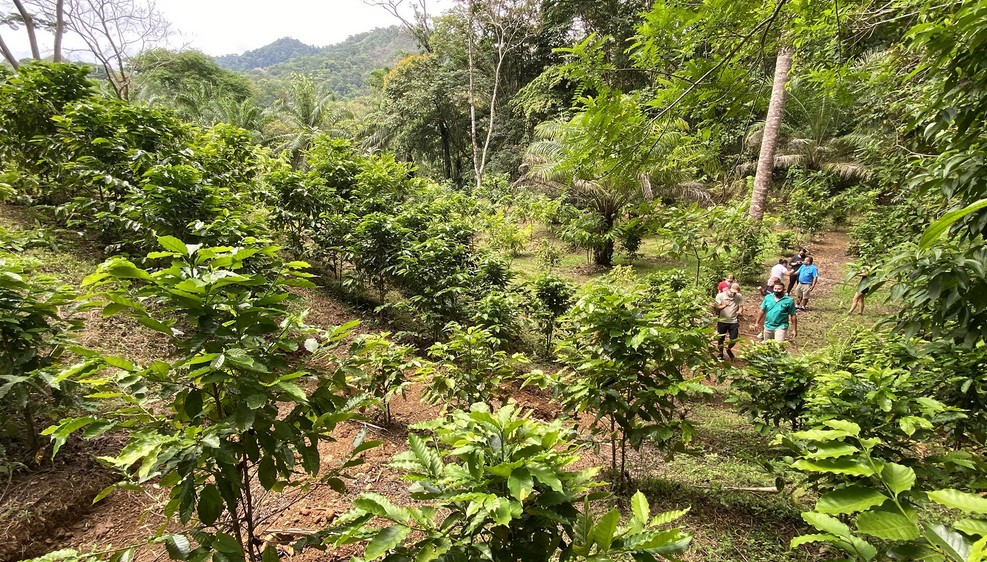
220	27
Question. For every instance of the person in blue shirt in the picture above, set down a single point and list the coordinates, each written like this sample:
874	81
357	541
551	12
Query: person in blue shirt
777	314
808	275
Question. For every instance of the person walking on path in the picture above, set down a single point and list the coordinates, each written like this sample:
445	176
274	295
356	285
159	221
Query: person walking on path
777	314
794	265
779	271
729	307
863	289
808	275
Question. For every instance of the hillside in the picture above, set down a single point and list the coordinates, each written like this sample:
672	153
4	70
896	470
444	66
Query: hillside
343	67
279	51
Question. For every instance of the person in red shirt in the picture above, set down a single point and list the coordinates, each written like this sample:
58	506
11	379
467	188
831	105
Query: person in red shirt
725	283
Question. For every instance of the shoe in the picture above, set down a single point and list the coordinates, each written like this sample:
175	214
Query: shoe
731	355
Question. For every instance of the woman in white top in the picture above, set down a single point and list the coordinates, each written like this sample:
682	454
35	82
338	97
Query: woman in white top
780	270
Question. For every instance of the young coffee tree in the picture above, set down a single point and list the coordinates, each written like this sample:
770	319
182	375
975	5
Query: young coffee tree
378	367
231	414
467	368
34	333
500	486
634	356
551	297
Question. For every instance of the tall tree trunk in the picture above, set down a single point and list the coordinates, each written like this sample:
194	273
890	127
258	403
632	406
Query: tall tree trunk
56	56
8	55
29	26
769	139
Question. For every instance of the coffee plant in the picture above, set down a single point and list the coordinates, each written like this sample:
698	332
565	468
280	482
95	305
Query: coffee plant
36	328
379	368
635	356
550	297
467	368
881	510
773	387
498	486
230	413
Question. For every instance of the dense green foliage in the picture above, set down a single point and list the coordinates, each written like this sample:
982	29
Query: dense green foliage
498	485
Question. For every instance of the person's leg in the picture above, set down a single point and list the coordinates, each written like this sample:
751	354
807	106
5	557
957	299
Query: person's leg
768	335
721	330
780	334
734	335
862	304
806	292
792	280
856	301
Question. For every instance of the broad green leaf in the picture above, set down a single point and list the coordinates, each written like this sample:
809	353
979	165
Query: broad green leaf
849	500
936	229
385	540
210	504
270	553
898	478
178	546
520	484
605	528
807	539
838	466
955	499
826	524
887	525
953	544
225	543
640	508
173	244
976	527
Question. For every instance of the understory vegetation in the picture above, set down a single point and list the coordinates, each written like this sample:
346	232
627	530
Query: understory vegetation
530	216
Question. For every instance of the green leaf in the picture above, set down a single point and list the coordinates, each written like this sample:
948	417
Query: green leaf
976	527
178	546
267	473
173	244
225	543
210	504
385	540
838	466
520	483
953	544
605	528
939	227
898	478
887	525
826	524
640	508
270	553
849	500
955	499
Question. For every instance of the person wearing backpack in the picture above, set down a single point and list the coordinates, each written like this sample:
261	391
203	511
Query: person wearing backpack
777	314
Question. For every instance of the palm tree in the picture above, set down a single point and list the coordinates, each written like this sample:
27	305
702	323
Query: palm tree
609	156
818	134
305	112
772	125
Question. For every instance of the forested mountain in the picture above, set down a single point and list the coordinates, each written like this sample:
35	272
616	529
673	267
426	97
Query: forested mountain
279	51
342	68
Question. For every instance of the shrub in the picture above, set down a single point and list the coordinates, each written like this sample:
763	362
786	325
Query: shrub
468	368
550	298
34	334
499	486
230	407
773	387
378	367
646	350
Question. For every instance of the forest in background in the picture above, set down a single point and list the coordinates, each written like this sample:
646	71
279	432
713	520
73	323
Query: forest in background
475	201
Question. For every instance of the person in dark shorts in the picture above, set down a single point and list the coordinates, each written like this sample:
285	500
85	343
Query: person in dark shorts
794	265
729	306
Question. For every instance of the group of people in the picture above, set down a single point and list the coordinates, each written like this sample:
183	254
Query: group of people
777	316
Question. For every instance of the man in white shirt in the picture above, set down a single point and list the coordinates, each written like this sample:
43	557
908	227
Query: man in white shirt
729	306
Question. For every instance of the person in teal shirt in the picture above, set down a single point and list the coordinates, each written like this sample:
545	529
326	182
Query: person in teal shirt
777	314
